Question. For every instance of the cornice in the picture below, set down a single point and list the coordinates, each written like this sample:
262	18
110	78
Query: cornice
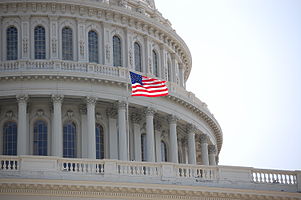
88	189
203	114
155	26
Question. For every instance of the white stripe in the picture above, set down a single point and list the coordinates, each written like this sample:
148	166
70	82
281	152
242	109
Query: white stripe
151	94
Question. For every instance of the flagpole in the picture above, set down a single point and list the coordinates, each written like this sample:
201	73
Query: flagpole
127	114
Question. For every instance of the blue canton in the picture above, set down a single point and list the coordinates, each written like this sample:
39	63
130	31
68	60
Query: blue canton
136	78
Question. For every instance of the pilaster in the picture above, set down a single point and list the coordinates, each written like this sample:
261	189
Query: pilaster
191	144
84	121
136	119
82	46
22	140
123	148
57	130
25	37
91	127
54	54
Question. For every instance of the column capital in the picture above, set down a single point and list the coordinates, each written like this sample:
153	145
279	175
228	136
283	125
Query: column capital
149	111
22	98
121	105
57	98
204	138
211	149
191	128
172	119
112	113
136	118
91	100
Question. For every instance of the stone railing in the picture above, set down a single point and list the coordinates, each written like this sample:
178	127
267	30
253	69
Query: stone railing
274	176
165	173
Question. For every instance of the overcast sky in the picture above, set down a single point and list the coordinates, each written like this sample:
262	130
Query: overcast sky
246	67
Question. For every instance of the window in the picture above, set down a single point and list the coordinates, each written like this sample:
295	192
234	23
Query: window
116	51
10	138
143	147
168	71
69	140
155	64
12	43
93	46
40	138
163	151
99	141
137	53
67	44
39	43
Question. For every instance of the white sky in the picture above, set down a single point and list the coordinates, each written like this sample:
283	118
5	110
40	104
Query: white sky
246	58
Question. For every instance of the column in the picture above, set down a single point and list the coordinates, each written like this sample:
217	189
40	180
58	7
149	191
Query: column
150	137
147	57
113	133
158	129
57	133
181	75
136	118
22	140
191	145
91	127
173	138
84	121
123	150
212	154
204	150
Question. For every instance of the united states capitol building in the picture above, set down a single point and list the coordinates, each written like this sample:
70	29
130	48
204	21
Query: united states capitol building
69	128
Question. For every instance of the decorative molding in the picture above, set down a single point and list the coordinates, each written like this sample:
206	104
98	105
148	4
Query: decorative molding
70	114
57	98
211	149
136	118
203	138
172	119
22	98
83	109
98	117
149	111
40	113
112	113
9	114
91	100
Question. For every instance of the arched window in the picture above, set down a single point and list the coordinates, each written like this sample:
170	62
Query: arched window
163	151
116	51
40	138
93	46
143	147
39	43
168	71
99	141
67	44
10	138
137	53
69	140
155	64
12	43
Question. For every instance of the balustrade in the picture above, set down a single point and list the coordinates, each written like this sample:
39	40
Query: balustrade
9	163
139	169
81	166
274	176
198	172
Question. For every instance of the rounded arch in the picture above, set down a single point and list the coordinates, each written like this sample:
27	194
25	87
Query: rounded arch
69	139
155	63
163	148
67	43
99	135
7	23
137	56
12	43
117	50
93	46
9	137
40	138
39	42
35	22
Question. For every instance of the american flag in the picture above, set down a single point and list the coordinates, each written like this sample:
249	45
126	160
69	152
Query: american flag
147	87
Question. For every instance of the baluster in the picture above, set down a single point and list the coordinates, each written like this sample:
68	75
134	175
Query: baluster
9	165
281	179
289	179
4	165
14	165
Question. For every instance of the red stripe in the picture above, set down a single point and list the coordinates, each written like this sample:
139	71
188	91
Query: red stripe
153	83
154	91
158	86
145	95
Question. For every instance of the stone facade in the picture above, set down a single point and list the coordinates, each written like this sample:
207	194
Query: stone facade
66	112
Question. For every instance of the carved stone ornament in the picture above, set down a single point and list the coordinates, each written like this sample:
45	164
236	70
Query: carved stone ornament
83	109
82	47
172	119
158	125
122	105
54	45
136	118
70	114
22	98
9	114
123	3
91	100
150	111
98	117
131	56
203	138
191	128
211	149
108	49
112	113
40	113
25	45
56	98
